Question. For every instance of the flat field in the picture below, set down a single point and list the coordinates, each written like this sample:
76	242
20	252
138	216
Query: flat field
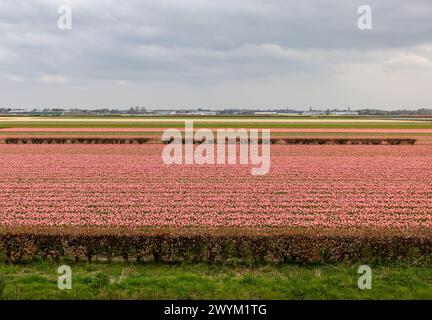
215	122
308	186
320	204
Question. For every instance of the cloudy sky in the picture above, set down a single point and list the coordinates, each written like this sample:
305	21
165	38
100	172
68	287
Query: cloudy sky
208	53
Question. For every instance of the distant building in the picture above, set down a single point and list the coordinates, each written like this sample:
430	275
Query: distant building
205	113
288	113
344	113
265	113
312	112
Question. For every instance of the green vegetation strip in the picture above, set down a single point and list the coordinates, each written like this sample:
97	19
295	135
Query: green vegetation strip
38	280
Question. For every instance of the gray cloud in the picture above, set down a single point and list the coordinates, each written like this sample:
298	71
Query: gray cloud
215	53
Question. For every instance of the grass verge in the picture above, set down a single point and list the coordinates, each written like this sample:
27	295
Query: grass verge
118	280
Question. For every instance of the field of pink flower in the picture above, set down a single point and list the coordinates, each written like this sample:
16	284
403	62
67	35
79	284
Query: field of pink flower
329	186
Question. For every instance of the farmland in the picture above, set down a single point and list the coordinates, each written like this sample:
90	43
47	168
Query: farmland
337	192
308	186
154	122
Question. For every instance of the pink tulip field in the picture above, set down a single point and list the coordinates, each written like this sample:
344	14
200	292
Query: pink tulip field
317	203
128	186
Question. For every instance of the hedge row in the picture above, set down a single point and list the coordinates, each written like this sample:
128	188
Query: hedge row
368	141
144	140
213	248
321	141
95	140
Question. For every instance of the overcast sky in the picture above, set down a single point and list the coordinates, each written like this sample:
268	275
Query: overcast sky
216	53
